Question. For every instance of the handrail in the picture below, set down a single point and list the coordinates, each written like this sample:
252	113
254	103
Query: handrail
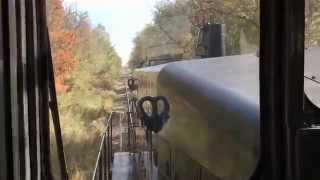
102	170
131	128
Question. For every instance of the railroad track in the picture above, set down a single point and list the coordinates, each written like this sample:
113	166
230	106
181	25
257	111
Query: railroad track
123	150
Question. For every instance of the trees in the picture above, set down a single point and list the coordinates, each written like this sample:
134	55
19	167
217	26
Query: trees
312	23
241	19
179	22
86	68
88	101
172	21
62	42
169	34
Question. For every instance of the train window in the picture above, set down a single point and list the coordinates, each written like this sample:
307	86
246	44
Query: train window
312	23
312	44
242	28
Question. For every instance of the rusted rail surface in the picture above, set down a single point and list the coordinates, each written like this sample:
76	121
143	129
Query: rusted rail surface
102	170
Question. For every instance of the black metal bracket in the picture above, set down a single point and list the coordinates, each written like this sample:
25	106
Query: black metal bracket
133	84
154	120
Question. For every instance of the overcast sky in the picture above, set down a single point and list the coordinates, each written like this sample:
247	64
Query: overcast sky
122	19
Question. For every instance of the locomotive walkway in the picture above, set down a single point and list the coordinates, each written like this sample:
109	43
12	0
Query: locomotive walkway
124	166
123	151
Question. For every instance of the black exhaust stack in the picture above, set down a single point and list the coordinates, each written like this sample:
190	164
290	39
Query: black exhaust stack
211	42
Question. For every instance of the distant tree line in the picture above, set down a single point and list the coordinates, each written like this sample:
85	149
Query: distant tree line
176	25
86	69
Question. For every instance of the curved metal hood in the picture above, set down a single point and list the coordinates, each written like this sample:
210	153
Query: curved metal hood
214	112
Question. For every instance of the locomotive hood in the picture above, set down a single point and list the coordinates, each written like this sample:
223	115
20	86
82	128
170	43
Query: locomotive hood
215	109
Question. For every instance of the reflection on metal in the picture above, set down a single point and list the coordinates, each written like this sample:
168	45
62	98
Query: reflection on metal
124	166
214	118
214	111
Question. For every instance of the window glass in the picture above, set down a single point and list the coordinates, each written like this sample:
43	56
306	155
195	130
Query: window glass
312	52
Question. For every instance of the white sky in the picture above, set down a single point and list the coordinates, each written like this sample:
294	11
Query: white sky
122	19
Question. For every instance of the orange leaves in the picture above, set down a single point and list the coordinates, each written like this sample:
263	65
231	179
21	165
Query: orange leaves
55	13
63	40
74	40
64	62
60	87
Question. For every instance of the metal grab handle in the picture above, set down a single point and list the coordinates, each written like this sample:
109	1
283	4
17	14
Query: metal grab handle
156	120
164	115
132	84
141	102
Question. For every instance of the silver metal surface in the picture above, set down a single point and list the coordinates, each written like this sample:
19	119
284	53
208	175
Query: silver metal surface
215	113
312	74
215	109
124	167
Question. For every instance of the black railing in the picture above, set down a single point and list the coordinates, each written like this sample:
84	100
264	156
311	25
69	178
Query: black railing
102	170
103	166
131	113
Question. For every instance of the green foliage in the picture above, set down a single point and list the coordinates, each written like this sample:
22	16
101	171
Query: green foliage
177	24
169	34
312	37
89	97
88	101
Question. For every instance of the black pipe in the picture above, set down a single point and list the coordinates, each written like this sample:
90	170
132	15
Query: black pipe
216	44
212	41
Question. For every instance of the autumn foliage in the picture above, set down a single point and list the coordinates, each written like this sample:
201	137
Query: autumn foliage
86	68
63	40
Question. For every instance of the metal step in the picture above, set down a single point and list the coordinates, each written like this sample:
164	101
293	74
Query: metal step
124	166
151	170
